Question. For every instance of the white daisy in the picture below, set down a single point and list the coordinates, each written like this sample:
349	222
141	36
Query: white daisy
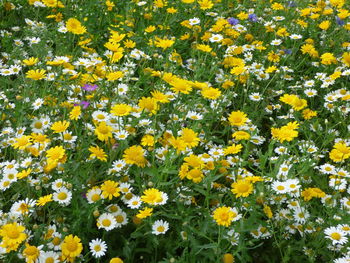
93	195
160	227
106	221
98	247
100	116
135	202
194	21
49	256
121	219
337	236
63	196
215	38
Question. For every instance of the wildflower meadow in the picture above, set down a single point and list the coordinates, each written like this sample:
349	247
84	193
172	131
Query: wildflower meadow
174	131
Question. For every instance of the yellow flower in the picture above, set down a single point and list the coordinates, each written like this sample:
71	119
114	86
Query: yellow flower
205	4
242	188
163	43
97	152
228	258
55	154
43	200
241	135
308	114
31	253
144	213
180	85
12	236
195	175
135	155
223	216
267	211
328	59
204	48
75	113
152	196
121	110
149	104
36	74
74	26
159	96
340	152
103	131
147	140
189	137
150	29
60	126
30	61
211	93
71	247
109	189
24	173
346	58
22	142
112	76
324	25
116	260
233	149
237	118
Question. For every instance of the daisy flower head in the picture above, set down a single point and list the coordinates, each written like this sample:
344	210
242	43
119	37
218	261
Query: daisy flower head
224	215
160	227
106	221
337	236
98	247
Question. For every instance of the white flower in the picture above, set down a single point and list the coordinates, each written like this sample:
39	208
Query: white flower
37	103
100	116
121	135
93	195
106	221
160	227
62	196
49	256
134	203
280	187
276	42
216	38
121	219
194	21
295	36
337	236
98	247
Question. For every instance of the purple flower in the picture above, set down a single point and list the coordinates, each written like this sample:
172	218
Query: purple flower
89	87
233	21
291	4
287	51
83	103
339	21
253	17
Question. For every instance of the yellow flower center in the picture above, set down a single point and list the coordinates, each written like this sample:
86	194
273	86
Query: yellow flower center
160	229
106	222
119	219
242	188
49	260
280	187
56	241
38	125
62	196
72	246
97	248
95	197
336	236
13	234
